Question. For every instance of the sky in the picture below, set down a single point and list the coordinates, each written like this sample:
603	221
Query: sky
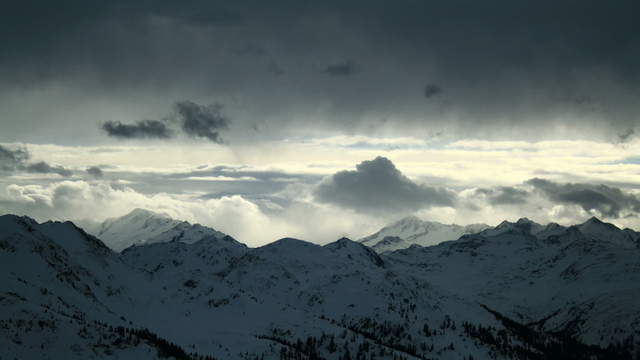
324	119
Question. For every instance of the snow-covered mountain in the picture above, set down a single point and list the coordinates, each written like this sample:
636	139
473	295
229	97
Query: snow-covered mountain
142	226
517	291
582	279
413	231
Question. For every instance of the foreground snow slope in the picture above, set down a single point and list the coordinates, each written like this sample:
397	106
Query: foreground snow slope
519	290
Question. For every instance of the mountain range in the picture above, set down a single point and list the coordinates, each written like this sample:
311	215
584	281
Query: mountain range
519	290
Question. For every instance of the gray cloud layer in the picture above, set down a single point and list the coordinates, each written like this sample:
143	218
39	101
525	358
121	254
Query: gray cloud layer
505	65
17	160
42	167
377	186
11	160
505	195
95	172
609	201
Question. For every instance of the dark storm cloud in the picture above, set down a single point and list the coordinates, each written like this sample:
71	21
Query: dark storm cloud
95	172
17	160
377	186
345	68
201	121
144	129
194	120
609	201
505	195
505	63
432	90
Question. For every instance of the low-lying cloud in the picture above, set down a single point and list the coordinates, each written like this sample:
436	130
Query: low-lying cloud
238	216
608	201
42	167
17	160
505	195
95	172
12	159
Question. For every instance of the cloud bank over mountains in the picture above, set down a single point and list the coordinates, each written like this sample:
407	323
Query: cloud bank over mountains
347	113
348	202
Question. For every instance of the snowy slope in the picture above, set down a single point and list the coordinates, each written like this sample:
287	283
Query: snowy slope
414	231
146	227
585	277
65	294
59	287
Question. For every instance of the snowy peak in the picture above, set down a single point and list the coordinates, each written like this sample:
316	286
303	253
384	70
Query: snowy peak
354	251
595	229
142	226
412	230
72	238
288	248
521	226
595	225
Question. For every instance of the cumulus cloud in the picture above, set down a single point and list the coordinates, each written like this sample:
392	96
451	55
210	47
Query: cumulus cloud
377	186
143	129
204	121
605	200
17	160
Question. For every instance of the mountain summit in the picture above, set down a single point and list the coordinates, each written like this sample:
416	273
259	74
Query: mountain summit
412	230
142	226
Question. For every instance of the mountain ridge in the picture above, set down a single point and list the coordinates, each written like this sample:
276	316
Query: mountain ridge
141	226
220	298
413	230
